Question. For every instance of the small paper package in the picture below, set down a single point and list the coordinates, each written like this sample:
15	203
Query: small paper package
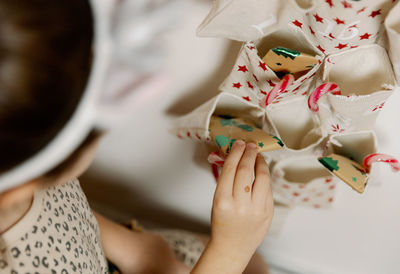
345	154
225	130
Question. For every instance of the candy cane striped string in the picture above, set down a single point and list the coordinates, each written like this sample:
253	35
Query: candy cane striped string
376	157
287	81
217	160
319	92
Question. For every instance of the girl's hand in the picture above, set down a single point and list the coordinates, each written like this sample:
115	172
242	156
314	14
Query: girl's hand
242	210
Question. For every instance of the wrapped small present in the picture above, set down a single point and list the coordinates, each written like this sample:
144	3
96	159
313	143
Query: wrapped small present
281	59
351	172
349	157
225	130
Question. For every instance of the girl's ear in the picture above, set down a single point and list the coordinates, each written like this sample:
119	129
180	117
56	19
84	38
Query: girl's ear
20	194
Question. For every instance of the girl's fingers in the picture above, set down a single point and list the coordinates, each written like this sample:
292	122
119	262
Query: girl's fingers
244	175
261	186
225	183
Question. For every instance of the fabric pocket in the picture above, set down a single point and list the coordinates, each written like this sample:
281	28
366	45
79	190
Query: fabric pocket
302	181
337	26
195	125
251	79
345	155
296	126
366	79
354	146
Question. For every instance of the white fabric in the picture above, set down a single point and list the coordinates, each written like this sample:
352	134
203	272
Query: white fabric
348	39
355	145
247	20
303	181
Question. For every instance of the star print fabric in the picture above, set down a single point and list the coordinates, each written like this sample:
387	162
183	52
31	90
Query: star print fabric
357	45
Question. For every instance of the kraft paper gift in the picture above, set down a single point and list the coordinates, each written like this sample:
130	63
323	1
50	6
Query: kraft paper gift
281	59
345	154
225	130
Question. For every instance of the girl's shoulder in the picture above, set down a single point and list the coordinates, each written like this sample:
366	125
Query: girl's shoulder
58	232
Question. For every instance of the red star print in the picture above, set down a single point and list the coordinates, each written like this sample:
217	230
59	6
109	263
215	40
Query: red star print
296	194
198	136
285	186
237	85
328	180
263	92
353	47
338	21
255	77
330	200
329	3
346	4
306	199
375	13
317	206
342	46
331	36
188	134
263	66
336	128
298	23
311	30
361	10
247	98
242	68
365	36
320	48
332	187
318	18
251	47
272	84
250	85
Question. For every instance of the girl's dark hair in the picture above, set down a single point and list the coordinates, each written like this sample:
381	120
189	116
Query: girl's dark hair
45	58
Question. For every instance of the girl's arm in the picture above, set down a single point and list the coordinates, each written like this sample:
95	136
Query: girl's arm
137	252
242	212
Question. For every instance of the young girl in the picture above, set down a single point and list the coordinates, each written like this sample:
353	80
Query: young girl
50	59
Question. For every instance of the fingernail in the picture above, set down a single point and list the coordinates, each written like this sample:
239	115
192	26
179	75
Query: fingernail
239	143
252	145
